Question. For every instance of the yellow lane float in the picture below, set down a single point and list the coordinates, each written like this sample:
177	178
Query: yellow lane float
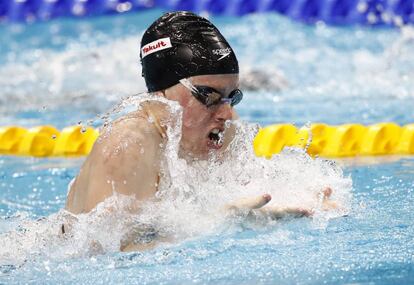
337	141
318	139
45	141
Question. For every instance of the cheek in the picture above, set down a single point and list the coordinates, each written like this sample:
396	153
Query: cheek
195	117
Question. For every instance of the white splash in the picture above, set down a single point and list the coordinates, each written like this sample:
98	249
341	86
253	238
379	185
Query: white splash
74	75
190	199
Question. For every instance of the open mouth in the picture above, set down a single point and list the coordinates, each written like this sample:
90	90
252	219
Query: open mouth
216	138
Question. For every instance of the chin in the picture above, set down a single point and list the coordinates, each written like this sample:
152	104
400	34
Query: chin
202	149
214	147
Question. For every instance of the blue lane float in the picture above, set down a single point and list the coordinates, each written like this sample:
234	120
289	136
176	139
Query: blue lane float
336	12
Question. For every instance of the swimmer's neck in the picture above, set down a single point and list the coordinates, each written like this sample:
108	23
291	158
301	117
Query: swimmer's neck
190	157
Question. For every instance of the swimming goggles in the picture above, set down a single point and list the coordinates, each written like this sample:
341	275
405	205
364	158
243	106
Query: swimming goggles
209	96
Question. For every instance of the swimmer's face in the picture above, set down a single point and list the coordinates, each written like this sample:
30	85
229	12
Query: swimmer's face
202	126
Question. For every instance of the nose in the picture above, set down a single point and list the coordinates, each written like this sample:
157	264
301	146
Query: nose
224	112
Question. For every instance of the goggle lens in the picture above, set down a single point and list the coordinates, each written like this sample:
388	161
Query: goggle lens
210	96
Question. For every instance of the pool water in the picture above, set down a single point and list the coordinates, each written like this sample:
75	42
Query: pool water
66	71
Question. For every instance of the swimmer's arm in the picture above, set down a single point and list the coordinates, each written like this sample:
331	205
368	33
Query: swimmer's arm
134	246
275	213
257	205
130	247
125	159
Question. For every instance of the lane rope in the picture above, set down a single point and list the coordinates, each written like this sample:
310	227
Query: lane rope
47	141
318	139
337	141
337	12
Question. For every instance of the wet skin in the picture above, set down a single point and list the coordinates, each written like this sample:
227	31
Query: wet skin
128	152
126	157
198	120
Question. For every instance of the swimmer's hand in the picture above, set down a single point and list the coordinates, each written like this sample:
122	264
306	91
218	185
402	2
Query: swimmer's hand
257	206
248	204
327	204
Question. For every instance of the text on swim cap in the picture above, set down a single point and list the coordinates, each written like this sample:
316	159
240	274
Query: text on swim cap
155	46
222	51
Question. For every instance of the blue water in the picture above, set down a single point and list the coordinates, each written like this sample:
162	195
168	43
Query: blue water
373	244
335	75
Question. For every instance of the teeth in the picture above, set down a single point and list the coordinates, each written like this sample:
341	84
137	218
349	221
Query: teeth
216	136
221	138
215	131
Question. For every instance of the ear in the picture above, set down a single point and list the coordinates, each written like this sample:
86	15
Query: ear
174	92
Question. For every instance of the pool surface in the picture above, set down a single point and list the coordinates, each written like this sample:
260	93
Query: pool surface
66	71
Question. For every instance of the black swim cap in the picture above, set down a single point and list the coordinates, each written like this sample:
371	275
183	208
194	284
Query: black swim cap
180	45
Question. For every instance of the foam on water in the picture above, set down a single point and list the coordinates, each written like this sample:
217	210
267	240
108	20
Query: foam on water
190	200
72	76
96	70
332	75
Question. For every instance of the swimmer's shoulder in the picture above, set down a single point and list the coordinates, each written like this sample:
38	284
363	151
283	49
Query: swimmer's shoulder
128	148
143	128
151	118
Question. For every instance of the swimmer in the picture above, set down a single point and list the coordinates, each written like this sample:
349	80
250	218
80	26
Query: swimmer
187	60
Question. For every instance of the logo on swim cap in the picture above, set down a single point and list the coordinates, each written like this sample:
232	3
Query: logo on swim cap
155	46
222	51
